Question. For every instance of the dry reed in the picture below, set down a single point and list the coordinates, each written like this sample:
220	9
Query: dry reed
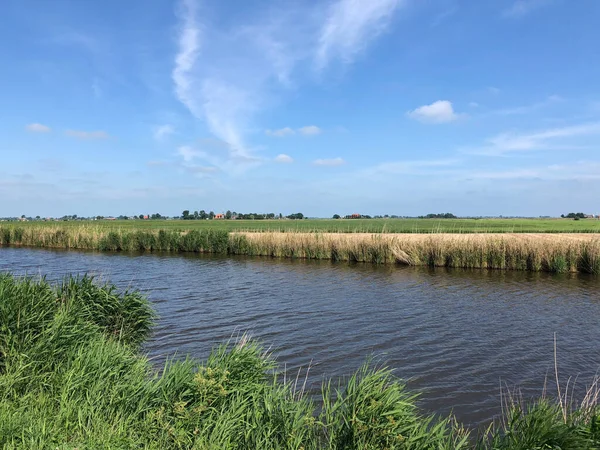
537	252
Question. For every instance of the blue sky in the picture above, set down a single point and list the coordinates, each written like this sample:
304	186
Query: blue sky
404	107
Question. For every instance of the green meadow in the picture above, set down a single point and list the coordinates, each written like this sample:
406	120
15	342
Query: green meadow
351	225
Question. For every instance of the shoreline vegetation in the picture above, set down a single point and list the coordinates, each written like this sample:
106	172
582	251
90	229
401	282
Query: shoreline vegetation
536	252
72	376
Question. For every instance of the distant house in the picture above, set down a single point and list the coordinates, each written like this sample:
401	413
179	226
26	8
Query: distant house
146	217
355	216
219	216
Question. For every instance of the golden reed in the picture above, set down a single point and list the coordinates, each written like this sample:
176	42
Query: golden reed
534	252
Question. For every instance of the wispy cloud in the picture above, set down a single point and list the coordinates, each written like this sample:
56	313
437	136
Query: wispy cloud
96	88
521	8
410	167
201	170
333	162
310	130
162	131
157	163
188	153
350	26
283	158
243	70
189	47
282	132
578	171
443	16
526	109
550	139
87	135
438	112
38	128
216	153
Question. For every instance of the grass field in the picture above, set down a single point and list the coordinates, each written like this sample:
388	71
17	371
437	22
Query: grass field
72	377
349	225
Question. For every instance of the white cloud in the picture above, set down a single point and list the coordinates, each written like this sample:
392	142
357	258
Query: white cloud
521	8
550	139
282	158
87	135
310	130
189	47
474	105
188	153
349	27
282	132
216	153
250	65
438	112
163	131
333	162
38	128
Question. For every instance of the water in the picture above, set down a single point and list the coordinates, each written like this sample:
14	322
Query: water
455	335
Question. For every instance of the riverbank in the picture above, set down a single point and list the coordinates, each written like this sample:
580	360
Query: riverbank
548	252
72	376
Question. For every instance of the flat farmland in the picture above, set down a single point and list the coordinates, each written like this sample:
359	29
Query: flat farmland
343	225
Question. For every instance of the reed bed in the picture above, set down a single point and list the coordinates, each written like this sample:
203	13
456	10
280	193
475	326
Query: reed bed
72	377
537	252
532	252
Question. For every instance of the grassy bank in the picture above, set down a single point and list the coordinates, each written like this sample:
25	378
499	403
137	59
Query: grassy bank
548	252
71	376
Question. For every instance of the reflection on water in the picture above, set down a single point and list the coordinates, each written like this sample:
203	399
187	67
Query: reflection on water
456	335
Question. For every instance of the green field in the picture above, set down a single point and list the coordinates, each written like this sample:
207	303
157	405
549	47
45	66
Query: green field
353	226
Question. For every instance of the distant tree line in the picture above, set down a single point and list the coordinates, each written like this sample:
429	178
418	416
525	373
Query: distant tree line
233	215
575	216
439	216
394	216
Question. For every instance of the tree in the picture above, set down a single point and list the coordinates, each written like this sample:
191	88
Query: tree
336	216
211	215
202	214
228	215
185	215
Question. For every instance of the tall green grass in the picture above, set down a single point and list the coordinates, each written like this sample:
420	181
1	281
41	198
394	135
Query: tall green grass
72	377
